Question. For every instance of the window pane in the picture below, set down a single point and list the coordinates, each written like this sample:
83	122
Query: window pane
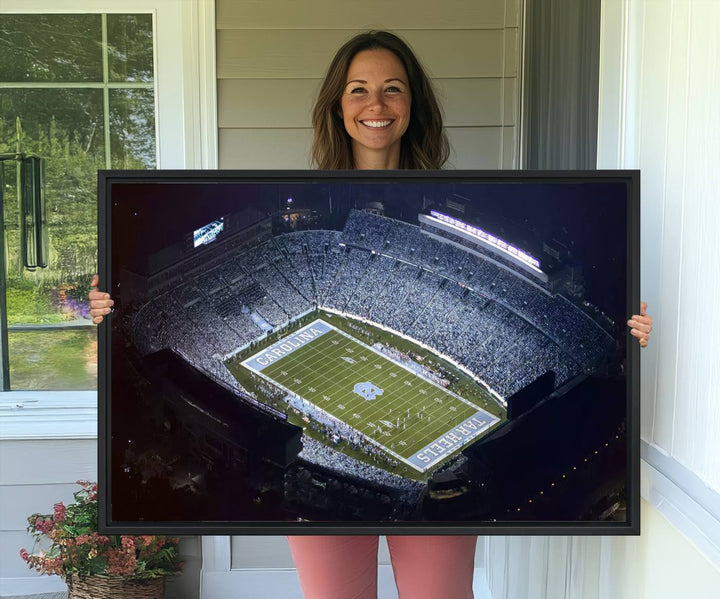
53	121
55	359
130	47
132	128
51	344
65	127
50	48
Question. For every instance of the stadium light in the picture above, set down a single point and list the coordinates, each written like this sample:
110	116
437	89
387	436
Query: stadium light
487	238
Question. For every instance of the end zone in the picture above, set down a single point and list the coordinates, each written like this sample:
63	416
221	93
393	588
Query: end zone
454	439
287	345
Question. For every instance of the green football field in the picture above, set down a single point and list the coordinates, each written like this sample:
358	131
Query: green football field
417	421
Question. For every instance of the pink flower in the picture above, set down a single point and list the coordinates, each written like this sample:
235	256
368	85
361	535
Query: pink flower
121	562
53	565
89	488
44	526
128	542
59	509
73	554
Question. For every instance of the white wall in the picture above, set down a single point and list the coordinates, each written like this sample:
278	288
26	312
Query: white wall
659	113
659	564
41	458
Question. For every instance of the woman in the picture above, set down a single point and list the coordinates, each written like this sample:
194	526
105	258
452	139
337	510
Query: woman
377	110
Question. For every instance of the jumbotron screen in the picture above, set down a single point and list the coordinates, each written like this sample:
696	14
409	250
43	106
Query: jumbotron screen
369	352
208	233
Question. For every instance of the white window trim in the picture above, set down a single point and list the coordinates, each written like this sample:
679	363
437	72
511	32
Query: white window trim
48	415
186	123
681	496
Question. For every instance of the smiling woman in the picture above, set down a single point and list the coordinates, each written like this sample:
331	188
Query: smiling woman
375	78
375	108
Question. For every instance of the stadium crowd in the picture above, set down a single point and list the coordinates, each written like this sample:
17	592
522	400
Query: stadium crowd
319	453
480	314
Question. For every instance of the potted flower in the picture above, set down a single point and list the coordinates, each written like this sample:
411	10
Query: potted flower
97	566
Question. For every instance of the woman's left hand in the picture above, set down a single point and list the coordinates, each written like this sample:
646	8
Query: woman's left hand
641	325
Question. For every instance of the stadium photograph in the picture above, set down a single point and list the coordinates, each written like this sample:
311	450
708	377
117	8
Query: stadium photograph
309	350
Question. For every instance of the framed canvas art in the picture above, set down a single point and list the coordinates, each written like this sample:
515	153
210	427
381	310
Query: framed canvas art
393	352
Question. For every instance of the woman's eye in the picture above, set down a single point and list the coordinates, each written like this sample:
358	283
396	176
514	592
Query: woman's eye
357	90
393	89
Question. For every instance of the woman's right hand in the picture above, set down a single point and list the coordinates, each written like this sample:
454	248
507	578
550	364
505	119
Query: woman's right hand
641	325
100	302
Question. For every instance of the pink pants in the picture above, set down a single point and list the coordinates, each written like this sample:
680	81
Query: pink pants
336	567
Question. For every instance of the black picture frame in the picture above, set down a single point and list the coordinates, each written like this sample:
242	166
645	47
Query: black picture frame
174	441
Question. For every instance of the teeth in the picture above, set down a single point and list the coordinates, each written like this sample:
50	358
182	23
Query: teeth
376	123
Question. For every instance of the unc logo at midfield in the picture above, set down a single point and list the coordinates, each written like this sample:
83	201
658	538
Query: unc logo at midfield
367	390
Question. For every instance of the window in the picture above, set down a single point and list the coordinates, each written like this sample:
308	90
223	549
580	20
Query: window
78	91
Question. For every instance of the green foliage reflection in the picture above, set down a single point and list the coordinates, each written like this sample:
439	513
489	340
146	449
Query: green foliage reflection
66	127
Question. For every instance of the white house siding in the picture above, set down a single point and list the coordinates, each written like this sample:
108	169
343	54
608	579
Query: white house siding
34	475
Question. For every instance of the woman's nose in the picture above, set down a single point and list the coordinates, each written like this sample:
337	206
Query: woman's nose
376	99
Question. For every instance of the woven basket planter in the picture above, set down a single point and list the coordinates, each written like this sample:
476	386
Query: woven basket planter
116	587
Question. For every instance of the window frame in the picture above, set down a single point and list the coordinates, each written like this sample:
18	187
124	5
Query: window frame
185	96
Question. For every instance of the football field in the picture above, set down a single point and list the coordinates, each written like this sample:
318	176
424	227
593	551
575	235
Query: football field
417	421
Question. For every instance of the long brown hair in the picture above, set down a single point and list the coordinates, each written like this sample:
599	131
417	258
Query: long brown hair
424	144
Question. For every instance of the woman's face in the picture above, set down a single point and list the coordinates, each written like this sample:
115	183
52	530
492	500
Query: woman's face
375	107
